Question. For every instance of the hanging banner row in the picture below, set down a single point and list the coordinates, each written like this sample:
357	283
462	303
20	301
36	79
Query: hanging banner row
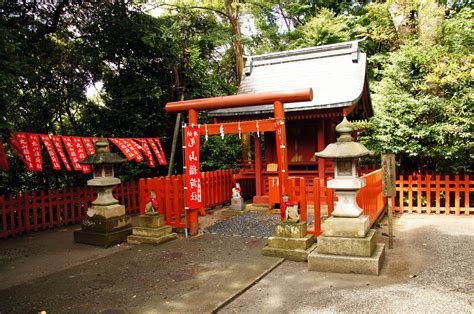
29	149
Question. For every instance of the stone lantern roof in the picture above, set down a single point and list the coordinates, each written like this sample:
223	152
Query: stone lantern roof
345	147
102	156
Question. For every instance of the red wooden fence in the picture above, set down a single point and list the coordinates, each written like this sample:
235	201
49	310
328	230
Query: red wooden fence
430	193
216	190
32	211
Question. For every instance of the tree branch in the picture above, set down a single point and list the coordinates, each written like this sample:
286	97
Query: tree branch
48	29
186	7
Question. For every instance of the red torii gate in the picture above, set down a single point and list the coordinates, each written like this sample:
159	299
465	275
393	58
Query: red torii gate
277	98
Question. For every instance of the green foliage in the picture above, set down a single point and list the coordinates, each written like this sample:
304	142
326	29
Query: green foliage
217	153
324	28
423	110
375	25
51	54
458	33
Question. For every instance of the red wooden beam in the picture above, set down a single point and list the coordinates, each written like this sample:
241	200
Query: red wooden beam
244	100
233	127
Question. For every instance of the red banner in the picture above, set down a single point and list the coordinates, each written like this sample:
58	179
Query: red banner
16	147
22	139
163	157
52	153
3	158
146	150
81	153
278	137
193	172
157	152
89	146
133	147
123	147
71	150
59	148
35	147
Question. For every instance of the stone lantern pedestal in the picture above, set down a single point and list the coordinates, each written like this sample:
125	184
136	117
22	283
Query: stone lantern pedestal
347	244
106	223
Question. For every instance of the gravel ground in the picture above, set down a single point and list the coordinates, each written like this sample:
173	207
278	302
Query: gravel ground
250	224
430	270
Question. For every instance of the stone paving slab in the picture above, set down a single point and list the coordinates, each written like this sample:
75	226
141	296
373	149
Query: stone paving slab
185	275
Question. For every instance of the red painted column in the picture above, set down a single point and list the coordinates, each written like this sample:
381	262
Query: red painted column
258	165
282	151
193	212
321	146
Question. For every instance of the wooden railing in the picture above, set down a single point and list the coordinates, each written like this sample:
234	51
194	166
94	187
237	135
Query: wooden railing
216	190
32	211
370	197
434	194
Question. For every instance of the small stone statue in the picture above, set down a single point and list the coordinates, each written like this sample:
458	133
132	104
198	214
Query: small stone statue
236	191
291	209
151	206
237	202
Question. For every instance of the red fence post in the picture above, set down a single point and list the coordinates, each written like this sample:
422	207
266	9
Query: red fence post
303	199
466	195
457	196
447	204
317	206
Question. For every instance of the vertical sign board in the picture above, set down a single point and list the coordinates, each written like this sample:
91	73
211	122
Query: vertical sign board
193	172
389	189
388	175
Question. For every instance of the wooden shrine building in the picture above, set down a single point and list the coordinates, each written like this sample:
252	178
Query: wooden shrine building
337	74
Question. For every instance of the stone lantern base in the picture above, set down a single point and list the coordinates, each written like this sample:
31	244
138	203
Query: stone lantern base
151	230
104	231
347	246
291	242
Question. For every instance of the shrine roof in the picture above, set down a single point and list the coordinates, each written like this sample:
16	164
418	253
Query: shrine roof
337	74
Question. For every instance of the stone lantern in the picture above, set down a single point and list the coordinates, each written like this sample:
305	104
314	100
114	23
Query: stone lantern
106	223
346	182
347	244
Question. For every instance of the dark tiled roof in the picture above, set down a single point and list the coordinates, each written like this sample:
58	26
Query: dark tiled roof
337	74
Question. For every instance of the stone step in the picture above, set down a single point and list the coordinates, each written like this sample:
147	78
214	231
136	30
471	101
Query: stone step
347	246
135	239
292	255
348	264
291	243
291	229
151	221
152	232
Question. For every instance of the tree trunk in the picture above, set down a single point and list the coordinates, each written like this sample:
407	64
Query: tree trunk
175	141
233	16
180	85
430	18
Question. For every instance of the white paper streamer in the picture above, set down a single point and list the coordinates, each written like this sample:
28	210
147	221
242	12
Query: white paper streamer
221	129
